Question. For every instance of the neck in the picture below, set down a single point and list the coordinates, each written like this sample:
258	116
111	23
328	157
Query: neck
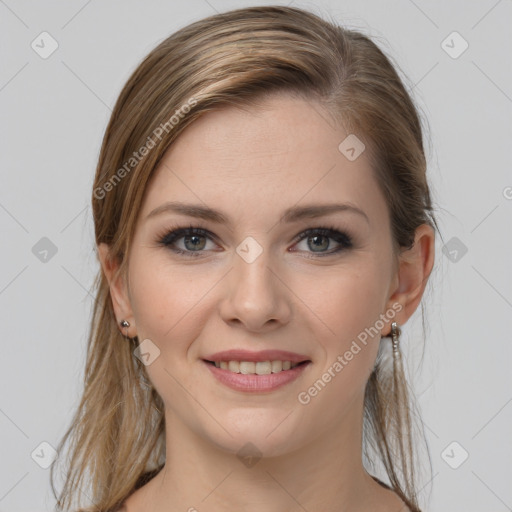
325	474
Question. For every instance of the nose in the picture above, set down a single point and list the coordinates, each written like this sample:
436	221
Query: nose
256	296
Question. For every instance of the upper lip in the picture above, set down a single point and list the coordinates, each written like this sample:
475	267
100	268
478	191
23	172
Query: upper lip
263	355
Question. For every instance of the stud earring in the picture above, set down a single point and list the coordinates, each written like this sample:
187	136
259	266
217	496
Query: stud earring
124	323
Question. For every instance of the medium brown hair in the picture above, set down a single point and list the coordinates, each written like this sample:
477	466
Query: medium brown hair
117	434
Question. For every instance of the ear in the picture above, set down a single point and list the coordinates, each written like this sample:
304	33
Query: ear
118	290
415	266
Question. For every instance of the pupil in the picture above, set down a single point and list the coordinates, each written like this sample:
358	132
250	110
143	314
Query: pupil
196	242
321	246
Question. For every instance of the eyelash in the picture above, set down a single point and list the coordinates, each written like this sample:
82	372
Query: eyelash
170	236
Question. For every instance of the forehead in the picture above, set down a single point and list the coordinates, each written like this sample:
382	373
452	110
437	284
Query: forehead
263	160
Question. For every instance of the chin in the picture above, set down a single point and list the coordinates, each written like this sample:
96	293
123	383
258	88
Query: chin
258	433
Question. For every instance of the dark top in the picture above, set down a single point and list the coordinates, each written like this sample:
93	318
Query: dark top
375	478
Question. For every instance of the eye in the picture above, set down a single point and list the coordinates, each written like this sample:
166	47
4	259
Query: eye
318	240
194	240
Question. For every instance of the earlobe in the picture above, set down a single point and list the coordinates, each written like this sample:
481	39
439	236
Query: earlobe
415	266
117	284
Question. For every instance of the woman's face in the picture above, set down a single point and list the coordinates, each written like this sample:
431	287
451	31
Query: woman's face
254	281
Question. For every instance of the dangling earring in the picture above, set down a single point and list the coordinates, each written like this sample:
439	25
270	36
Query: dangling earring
389	350
395	335
398	368
389	361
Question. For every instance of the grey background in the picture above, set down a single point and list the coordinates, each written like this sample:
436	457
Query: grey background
54	112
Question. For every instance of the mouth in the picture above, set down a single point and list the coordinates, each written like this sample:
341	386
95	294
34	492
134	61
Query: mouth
261	376
257	367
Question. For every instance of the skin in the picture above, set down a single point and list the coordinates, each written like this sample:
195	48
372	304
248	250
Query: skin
252	165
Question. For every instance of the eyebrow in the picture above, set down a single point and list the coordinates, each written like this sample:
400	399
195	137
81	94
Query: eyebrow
293	214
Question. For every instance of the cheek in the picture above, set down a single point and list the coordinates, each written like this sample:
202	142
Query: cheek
349	306
346	300
169	303
170	309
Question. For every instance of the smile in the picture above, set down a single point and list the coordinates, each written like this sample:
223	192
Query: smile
256	377
255	368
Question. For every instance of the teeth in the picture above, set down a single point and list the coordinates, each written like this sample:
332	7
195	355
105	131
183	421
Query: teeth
277	366
255	368
234	366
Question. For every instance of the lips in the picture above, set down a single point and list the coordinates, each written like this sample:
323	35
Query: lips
252	383
250	356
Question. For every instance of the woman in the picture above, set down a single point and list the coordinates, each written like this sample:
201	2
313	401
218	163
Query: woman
264	227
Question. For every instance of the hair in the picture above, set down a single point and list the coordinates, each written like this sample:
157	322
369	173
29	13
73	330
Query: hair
236	58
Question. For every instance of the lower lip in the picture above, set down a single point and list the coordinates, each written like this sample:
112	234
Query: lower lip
256	383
